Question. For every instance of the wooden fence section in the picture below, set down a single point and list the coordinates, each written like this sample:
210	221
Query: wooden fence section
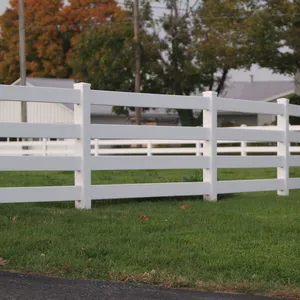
87	154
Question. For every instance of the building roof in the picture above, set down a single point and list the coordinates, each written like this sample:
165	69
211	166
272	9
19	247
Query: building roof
258	90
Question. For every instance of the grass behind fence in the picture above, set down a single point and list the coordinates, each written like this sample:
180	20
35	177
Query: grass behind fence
26	179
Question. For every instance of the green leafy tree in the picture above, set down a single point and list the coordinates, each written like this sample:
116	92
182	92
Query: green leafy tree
188	48
204	41
276	34
223	33
182	75
104	57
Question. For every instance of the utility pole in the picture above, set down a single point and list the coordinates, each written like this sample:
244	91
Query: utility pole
136	23
22	57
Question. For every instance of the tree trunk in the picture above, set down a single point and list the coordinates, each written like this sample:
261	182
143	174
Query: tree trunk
187	118
297	82
222	81
211	84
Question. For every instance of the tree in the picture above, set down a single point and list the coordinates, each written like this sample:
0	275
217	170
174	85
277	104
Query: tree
276	35
185	58
295	99
45	53
51	30
182	74
187	49
9	62
104	57
80	15
204	42
223	32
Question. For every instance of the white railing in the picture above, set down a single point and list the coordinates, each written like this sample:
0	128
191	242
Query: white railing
45	147
83	160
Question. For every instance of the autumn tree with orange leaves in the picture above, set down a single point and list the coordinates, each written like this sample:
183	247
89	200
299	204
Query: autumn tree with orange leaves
52	29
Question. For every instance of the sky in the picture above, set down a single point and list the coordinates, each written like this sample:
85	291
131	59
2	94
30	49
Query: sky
259	74
3	5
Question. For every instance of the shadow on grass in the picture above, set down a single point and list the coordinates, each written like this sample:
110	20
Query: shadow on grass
102	203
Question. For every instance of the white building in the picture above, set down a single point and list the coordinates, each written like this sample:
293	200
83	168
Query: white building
10	111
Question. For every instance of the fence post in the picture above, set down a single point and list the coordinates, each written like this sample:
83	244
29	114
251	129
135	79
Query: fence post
82	117
96	147
243	144
210	146
44	147
198	148
283	147
149	148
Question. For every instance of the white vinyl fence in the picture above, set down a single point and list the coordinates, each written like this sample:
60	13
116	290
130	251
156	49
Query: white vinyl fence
82	160
45	147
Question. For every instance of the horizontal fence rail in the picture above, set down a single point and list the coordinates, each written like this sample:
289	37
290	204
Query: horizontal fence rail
104	192
28	130
38	94
246	106
39	194
83	147
46	147
33	163
148	132
148	163
144	100
242	186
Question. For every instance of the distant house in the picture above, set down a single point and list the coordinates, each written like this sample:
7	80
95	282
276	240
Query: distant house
268	91
63	113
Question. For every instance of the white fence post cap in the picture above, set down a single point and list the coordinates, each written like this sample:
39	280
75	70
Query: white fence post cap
82	85
283	101
209	94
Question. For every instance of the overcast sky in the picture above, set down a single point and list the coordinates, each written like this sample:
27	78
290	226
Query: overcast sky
259	74
3	5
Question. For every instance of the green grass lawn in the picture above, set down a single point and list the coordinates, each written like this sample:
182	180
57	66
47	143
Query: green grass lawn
244	243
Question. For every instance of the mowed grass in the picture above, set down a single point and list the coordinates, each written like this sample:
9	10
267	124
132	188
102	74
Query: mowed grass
246	243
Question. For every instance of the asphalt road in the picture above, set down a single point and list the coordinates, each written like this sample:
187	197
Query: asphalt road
15	286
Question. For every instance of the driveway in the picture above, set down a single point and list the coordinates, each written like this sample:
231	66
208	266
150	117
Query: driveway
15	286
